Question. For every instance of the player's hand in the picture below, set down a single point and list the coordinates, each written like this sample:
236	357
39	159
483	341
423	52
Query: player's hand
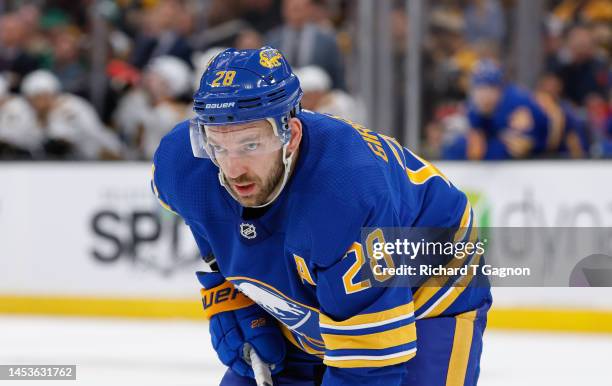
231	330
476	145
233	326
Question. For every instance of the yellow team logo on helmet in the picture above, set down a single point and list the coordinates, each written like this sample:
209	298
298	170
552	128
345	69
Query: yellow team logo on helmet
270	58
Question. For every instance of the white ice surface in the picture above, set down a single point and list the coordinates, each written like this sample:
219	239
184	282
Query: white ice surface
177	353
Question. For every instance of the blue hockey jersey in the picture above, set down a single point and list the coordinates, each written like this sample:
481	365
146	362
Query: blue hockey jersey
517	128
302	259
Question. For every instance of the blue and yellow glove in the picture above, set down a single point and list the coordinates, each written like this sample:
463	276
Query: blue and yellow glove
234	321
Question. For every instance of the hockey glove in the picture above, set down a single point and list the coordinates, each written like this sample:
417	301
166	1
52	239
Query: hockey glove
234	321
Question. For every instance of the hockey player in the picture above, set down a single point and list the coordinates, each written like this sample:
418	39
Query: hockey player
506	122
276	198
20	135
71	125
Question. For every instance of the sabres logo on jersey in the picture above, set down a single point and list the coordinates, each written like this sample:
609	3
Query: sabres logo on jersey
270	58
297	317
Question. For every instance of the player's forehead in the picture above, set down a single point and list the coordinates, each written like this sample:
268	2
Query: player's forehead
485	89
240	130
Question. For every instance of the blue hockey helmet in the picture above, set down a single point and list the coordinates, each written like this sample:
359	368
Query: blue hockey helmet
245	85
241	86
487	73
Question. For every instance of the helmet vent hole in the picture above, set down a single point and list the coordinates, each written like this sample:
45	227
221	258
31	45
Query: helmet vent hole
249	103
273	94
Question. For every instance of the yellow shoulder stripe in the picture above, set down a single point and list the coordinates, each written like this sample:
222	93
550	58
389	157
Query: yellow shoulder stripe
424	173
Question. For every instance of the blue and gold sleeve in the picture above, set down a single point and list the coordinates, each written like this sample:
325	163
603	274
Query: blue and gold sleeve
368	330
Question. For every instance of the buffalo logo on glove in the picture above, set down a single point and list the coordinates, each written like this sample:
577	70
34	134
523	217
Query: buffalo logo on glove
292	314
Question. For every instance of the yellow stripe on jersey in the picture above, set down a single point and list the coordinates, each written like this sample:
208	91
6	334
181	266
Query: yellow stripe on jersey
370	361
451	293
431	287
465	222
396	151
460	354
307	349
423	173
379	340
368	320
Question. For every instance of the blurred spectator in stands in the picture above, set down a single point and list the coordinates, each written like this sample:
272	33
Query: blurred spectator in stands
319	96
597	115
452	57
484	20
505	121
582	11
70	124
67	63
567	134
262	15
20	136
582	73
602	35
604	148
15	61
248	39
148	112
450	122
321	16
304	43
160	34
201	60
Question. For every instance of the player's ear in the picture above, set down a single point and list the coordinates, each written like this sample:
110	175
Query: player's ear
295	125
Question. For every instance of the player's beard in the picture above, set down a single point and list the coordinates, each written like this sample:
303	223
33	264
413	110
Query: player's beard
266	188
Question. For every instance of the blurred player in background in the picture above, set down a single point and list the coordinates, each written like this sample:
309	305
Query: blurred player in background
506	122
20	135
146	112
276	198
71	126
319	96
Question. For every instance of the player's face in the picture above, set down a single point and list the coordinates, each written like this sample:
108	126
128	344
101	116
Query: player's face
250	157
42	103
486	98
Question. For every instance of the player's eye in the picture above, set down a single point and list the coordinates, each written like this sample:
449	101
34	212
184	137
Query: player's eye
251	146
217	149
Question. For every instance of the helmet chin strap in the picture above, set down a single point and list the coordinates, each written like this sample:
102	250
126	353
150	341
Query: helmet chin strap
287	161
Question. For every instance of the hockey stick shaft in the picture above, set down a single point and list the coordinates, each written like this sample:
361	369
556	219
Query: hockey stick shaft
263	377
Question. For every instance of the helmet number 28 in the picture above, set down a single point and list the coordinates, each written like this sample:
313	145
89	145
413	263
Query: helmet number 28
223	77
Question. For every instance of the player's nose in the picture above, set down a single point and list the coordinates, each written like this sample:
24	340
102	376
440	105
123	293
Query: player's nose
234	167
